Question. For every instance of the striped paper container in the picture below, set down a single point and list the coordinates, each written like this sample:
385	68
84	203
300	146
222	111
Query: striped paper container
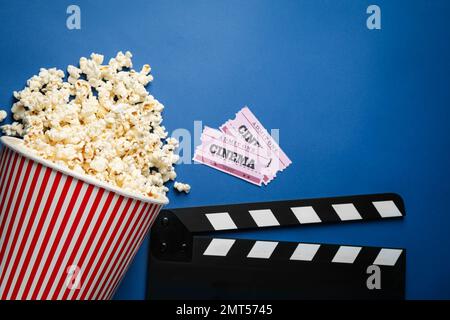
64	235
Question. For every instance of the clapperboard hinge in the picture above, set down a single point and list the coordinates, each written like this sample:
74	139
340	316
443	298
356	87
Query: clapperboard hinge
187	261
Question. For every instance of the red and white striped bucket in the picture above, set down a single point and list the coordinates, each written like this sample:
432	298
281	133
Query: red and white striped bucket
64	235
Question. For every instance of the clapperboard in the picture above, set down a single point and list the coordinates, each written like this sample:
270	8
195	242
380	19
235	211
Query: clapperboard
187	261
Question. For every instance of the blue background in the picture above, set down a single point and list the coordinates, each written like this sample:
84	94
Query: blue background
359	111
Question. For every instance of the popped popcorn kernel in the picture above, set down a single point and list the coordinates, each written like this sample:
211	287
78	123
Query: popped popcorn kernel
101	122
14	129
182	187
3	115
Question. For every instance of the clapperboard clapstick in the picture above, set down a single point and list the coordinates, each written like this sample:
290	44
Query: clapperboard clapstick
188	262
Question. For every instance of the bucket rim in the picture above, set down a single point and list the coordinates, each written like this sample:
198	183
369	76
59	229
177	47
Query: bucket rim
17	145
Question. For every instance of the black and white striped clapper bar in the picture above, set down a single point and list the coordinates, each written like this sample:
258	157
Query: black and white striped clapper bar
194	256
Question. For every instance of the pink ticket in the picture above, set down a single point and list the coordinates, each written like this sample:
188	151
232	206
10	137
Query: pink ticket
270	168
246	126
263	159
231	155
229	129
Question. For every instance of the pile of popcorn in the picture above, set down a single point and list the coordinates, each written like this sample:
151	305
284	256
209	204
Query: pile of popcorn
101	122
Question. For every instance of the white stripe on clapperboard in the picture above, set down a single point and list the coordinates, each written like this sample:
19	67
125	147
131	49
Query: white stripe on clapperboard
346	211
264	218
387	209
219	247
304	215
346	254
387	257
221	221
262	249
303	252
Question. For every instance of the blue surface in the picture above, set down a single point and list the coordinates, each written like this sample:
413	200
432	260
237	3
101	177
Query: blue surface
359	111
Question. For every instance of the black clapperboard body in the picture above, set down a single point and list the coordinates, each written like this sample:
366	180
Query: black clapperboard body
186	260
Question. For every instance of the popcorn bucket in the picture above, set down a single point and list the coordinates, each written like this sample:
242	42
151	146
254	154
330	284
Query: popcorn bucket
64	235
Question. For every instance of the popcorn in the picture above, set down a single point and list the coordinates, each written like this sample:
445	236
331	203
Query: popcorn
182	187
101	122
14	129
99	164
3	115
